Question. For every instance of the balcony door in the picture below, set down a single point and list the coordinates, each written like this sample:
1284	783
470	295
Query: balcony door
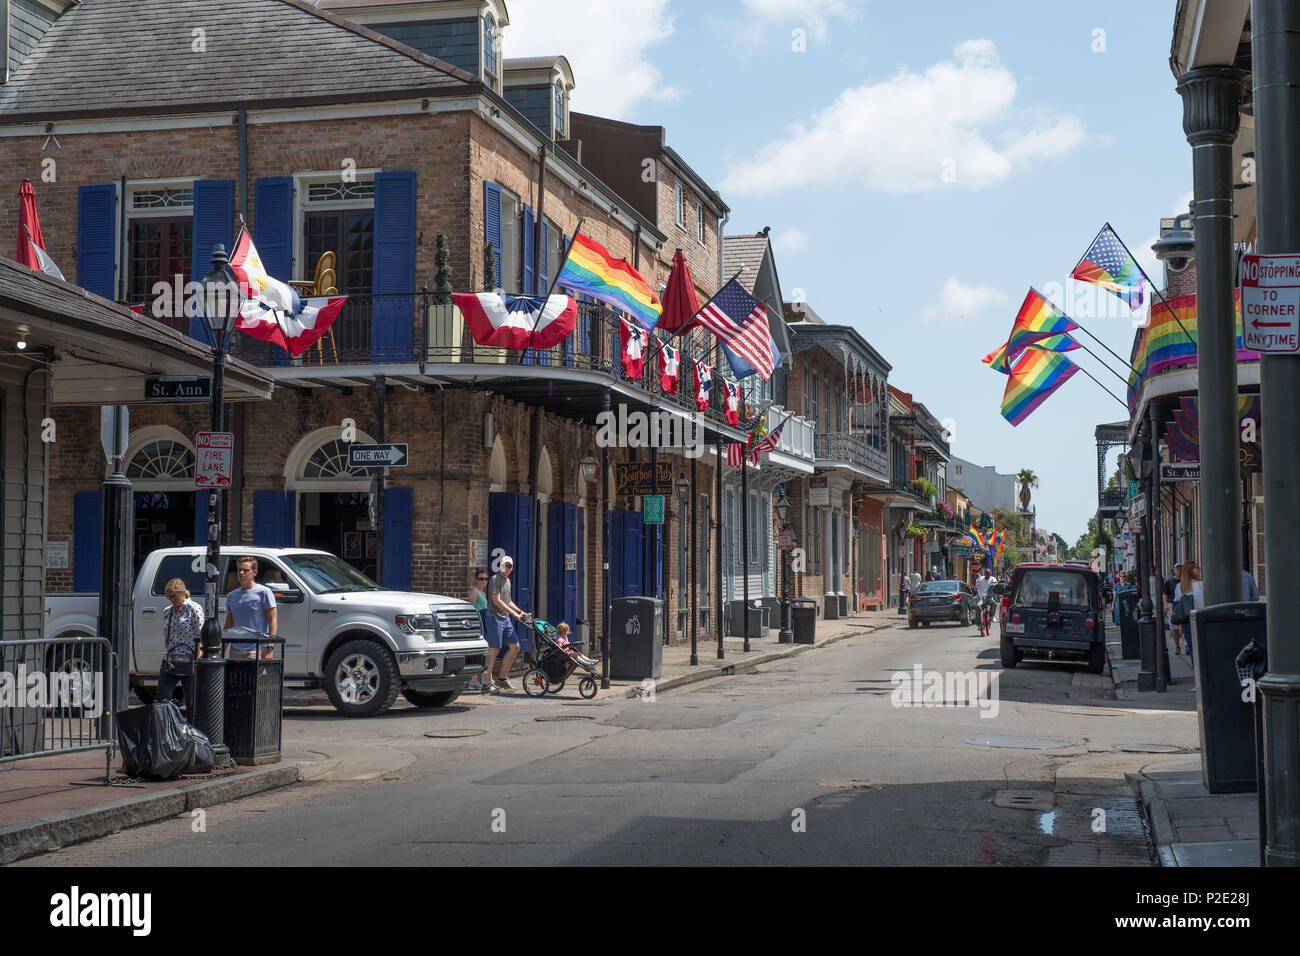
350	235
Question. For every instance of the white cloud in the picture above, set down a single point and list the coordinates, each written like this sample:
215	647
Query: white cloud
607	44
955	125
958	300
811	15
793	242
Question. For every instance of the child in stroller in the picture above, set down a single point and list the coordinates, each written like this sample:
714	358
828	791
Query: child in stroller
555	661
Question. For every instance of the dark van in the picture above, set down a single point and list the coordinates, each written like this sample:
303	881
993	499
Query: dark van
1054	612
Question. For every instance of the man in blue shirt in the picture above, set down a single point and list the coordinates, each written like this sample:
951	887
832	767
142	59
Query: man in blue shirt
250	605
1249	590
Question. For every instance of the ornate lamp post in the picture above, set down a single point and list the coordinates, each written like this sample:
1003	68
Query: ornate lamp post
782	507
222	299
683	488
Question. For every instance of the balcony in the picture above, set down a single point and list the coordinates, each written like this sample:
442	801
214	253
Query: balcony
1111	499
410	338
797	435
854	451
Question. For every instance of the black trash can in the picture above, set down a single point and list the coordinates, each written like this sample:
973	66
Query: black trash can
254	699
1225	717
735	619
635	650
803	620
1128	604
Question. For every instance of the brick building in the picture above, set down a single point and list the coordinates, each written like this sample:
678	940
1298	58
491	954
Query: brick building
351	141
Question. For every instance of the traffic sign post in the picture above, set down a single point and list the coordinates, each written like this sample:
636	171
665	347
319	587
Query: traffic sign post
1270	304
389	455
214	459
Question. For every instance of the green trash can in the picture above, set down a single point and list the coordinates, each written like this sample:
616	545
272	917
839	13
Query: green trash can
254	699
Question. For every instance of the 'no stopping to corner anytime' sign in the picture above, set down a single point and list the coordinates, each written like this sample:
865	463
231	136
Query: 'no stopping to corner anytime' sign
1270	303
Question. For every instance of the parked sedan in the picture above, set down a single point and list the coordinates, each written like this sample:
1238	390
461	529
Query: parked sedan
941	601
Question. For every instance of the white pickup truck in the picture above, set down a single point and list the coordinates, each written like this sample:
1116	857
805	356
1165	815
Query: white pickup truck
363	643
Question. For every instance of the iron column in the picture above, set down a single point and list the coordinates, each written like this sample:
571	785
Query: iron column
604	511
717	591
1275	53
694	546
1211	98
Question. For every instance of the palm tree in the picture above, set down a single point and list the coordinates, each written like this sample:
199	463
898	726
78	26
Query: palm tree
1027	480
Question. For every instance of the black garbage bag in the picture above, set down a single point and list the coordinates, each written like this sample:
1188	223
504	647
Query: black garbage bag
155	742
204	758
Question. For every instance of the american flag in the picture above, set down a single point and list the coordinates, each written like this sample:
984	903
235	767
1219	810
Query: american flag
770	440
1107	263
736	317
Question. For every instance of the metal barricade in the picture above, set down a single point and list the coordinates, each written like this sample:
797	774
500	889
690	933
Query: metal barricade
56	697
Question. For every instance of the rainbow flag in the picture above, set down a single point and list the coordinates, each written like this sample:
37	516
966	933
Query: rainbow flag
978	538
1108	264
591	269
1032	380
1163	344
1037	320
997	359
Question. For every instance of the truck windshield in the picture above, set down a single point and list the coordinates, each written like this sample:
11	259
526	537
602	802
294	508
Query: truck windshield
326	574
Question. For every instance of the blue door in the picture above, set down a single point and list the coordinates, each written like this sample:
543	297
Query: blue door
510	532
627	530
562	584
87	511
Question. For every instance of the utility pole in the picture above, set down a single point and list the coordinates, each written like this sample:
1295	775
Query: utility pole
1275	55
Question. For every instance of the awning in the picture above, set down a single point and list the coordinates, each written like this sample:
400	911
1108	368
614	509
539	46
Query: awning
101	353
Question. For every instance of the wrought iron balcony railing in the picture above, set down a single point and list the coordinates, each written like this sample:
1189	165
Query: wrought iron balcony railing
855	450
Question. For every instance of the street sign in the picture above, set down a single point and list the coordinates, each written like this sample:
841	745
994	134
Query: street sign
1138	508
390	455
1270	303
178	388
1133	491
214	459
635	478
1181	471
819	491
653	507
785	540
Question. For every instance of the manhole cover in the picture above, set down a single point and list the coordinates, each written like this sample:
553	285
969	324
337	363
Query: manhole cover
453	733
1018	743
853	784
1151	749
542	720
1024	799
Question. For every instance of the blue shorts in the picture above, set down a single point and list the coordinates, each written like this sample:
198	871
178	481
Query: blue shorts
500	632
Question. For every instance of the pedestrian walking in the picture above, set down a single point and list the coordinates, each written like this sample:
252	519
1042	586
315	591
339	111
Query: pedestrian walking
1188	596
478	597
250	605
182	627
904	588
1249	590
500	634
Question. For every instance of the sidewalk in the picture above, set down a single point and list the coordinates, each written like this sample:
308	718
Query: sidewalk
50	802
1189	825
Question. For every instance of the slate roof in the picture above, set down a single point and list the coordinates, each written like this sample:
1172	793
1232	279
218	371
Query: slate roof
115	57
747	251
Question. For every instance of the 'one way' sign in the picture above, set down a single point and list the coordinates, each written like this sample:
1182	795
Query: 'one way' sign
391	455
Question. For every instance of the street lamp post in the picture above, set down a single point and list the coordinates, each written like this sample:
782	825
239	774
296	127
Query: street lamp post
688	531
782	507
222	299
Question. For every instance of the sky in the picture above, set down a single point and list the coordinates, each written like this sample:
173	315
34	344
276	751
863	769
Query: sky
921	166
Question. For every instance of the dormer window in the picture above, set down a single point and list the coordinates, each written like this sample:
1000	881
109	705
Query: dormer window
490	46
559	108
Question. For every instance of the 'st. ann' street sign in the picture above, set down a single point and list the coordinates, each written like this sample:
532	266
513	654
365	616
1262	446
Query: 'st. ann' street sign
214	459
180	388
1270	303
390	455
1184	471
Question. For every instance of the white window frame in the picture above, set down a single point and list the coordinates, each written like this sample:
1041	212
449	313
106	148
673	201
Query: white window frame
699	225
511	237
302	206
679	196
490	36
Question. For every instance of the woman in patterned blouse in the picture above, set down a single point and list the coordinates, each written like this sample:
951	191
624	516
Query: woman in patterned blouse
182	625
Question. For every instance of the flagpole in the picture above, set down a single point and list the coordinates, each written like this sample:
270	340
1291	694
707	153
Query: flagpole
567	252
1086	332
1101	386
1103	364
743	270
1154	288
1107	348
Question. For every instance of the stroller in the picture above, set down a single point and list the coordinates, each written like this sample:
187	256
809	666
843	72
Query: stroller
554	663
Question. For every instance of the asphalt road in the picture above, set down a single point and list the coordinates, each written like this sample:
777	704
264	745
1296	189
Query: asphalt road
810	761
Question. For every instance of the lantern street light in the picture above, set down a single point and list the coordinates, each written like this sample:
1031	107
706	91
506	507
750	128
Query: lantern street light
782	507
589	466
222	300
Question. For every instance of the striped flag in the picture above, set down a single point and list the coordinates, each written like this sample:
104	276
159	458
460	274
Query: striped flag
770	440
740	322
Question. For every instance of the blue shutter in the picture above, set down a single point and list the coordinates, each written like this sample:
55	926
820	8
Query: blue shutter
399	505
616	562
97	239
580	579
273	519
634	546
555	562
523	576
87	519
214	218
492	227
544	277
201	518
530	248
393	318
571	546
273	226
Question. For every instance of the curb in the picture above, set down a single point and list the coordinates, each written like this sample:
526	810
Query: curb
1162	828
746	663
21	840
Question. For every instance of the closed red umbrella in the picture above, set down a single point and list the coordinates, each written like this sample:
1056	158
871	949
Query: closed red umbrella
27	220
680	303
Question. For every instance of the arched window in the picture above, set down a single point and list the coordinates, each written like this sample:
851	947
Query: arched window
330	460
162	461
490	45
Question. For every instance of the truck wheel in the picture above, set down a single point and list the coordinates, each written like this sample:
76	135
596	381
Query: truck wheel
361	679
73	671
422	699
1009	657
1097	658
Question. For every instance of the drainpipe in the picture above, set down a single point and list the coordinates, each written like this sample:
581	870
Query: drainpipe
242	119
